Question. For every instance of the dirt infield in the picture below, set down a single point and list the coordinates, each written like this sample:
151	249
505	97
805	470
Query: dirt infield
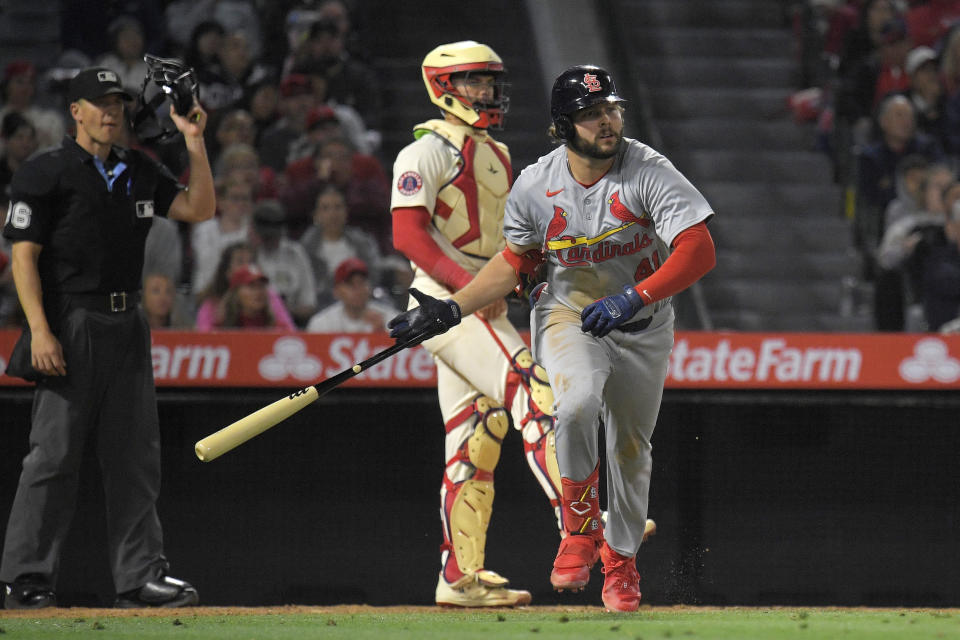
351	609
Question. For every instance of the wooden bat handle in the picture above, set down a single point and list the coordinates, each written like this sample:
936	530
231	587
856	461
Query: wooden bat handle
217	444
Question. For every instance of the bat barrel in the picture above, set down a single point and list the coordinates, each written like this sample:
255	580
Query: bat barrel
231	436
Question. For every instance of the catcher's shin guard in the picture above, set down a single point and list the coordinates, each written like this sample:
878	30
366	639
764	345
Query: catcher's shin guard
467	492
537	425
580	548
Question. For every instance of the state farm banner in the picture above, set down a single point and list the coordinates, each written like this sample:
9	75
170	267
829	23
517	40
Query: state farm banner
705	360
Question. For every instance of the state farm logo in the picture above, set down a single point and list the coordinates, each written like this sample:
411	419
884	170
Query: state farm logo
290	359
773	360
193	361
931	360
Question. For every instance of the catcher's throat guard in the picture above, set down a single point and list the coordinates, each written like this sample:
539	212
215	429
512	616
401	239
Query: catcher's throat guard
166	79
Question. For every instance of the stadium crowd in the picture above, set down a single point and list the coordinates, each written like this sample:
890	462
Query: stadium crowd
295	146
882	84
302	232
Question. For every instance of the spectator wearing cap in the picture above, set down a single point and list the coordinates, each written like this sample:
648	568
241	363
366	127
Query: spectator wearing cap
246	304
926	92
329	241
283	260
351	122
330	120
210	311
322	124
296	101
19	91
359	176
354	311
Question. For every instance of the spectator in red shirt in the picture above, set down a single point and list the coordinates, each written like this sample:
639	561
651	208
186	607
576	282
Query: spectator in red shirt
928	22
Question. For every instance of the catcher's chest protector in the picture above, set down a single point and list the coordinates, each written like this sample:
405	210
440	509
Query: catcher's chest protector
482	185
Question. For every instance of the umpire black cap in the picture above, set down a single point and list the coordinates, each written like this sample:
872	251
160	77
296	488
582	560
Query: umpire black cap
576	88
95	82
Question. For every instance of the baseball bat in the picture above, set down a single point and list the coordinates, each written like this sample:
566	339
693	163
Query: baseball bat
232	436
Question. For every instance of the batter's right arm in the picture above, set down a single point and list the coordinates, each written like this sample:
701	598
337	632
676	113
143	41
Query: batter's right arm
495	280
45	350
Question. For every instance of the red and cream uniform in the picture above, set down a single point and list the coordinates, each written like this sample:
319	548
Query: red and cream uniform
450	188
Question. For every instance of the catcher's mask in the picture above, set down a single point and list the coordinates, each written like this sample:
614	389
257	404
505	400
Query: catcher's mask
166	79
448	61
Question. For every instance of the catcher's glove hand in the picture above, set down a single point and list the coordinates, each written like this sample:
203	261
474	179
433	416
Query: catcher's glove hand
606	314
431	318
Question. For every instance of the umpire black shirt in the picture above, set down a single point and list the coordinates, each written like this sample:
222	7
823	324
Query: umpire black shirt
91	218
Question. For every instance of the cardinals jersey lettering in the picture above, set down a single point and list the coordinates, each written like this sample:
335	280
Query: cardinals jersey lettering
463	177
613	233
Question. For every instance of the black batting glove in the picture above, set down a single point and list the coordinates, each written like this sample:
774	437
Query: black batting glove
606	314
431	318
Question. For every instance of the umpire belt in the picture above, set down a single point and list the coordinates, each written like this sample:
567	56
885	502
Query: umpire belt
636	327
115	302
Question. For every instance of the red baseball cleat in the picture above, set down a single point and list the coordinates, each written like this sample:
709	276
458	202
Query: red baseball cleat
577	555
621	585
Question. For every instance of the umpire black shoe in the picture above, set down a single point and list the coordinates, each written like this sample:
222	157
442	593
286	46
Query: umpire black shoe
165	591
29	594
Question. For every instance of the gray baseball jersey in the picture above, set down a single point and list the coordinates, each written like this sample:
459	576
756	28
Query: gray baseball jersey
598	238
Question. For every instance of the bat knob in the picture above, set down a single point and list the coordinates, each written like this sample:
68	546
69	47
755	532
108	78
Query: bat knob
202	451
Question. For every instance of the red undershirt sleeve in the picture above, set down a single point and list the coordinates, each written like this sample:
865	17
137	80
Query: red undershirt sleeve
410	237
693	256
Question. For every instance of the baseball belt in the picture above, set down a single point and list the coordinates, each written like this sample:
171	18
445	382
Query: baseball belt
114	302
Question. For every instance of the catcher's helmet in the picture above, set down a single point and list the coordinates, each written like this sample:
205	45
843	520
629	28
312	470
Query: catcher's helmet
577	88
466	57
166	78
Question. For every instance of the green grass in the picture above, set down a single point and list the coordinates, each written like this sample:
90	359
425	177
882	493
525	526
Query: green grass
540	623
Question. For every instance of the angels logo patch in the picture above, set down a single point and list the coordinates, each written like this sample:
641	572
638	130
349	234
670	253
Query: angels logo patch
409	183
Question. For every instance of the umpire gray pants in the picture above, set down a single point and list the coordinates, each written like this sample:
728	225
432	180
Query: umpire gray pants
108	393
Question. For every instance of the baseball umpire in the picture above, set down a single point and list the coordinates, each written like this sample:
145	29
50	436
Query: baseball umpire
450	186
78	220
620	231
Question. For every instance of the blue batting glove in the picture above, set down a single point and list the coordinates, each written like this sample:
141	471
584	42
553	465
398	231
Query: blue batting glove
606	314
431	318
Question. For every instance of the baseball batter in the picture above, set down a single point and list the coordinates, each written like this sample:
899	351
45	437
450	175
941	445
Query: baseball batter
450	188
616	230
